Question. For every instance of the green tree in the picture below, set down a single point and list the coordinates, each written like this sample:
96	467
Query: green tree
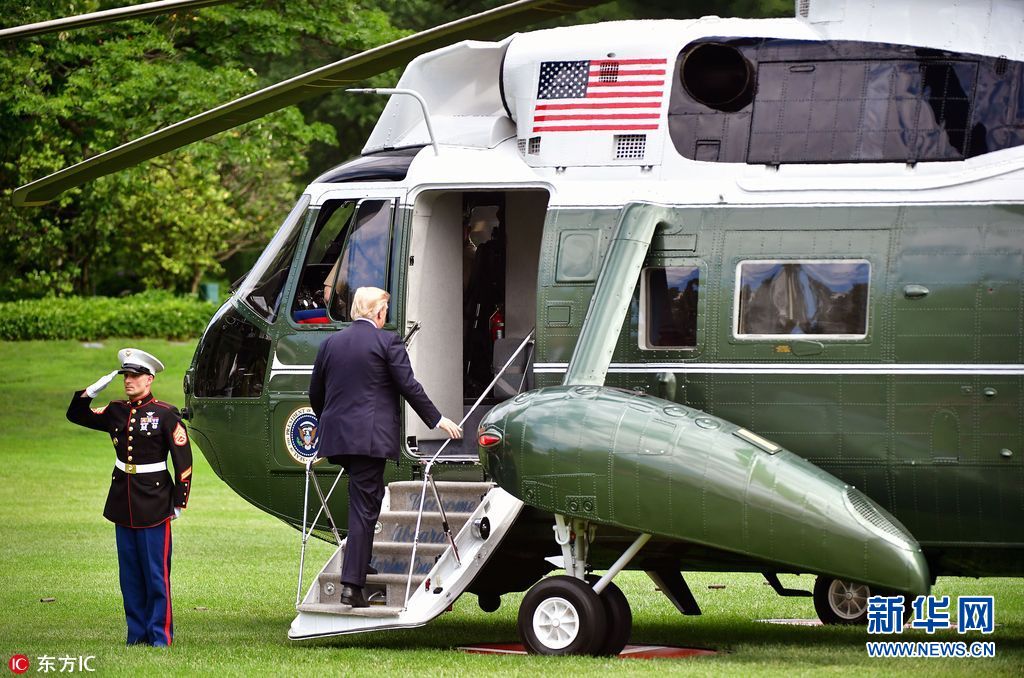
167	222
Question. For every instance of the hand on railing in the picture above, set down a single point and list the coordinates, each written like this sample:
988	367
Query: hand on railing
450	427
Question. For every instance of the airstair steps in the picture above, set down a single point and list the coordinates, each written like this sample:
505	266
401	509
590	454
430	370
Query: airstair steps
338	608
439	577
401	525
392	545
373	581
379	589
456	497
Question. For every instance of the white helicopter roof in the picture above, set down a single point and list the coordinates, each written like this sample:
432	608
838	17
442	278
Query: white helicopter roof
476	89
488	114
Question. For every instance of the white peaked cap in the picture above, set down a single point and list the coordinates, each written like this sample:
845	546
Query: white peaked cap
138	362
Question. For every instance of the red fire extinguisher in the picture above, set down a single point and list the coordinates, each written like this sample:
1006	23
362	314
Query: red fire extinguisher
497	325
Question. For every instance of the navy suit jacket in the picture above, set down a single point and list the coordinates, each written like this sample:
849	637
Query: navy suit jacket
357	378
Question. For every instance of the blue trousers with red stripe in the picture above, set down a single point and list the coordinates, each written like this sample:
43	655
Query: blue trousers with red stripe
144	563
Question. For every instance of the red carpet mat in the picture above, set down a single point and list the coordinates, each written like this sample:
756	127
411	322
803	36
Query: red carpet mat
631	651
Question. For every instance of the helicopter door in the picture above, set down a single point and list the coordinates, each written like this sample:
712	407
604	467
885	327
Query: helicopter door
349	248
473	288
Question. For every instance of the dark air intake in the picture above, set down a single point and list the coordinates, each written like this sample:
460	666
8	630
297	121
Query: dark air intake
718	76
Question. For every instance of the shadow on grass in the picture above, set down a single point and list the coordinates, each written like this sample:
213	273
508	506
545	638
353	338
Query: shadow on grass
722	635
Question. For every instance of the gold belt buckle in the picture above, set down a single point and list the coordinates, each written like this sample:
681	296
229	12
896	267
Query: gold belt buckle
130	468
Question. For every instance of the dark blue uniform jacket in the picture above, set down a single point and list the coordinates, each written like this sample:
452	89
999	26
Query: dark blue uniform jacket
144	431
358	376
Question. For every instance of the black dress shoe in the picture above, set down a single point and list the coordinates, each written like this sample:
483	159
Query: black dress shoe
370	569
353	595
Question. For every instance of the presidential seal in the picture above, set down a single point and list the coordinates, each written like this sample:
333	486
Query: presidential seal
300	435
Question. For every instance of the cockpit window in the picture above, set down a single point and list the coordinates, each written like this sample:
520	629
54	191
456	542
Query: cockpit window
828	299
364	259
261	290
350	248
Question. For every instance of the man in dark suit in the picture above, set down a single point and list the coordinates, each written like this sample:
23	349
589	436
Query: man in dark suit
357	378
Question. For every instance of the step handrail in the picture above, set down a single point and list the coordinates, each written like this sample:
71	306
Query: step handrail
428	478
311	475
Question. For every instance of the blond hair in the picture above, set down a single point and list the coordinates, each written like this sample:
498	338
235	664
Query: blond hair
368	301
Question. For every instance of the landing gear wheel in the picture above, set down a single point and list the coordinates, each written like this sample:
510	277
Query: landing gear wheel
838	601
562	616
619	617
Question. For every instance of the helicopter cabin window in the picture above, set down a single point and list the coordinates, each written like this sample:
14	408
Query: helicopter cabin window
262	287
349	249
828	299
668	317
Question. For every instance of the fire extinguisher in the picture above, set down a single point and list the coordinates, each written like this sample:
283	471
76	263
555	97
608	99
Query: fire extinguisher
497	325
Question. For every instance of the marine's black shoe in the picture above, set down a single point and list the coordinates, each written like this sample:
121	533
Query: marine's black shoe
353	595
370	569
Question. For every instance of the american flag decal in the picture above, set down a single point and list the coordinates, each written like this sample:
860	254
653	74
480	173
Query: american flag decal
599	95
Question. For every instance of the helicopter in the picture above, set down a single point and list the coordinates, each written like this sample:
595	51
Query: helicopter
735	294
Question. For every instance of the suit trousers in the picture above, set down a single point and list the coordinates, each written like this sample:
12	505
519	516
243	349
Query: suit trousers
144	564
365	494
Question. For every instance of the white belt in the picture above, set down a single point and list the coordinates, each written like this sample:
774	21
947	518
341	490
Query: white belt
140	468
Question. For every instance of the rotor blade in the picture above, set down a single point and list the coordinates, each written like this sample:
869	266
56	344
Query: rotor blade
105	17
339	74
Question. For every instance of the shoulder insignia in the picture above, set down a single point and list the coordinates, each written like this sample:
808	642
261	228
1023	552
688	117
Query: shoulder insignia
99	410
186	474
180	437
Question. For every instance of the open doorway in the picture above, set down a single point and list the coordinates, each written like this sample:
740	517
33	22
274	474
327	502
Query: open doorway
472	287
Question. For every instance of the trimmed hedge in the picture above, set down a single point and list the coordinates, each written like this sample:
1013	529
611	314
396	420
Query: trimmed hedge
150	314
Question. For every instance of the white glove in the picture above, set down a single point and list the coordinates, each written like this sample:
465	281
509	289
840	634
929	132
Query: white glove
177	513
100	384
449	427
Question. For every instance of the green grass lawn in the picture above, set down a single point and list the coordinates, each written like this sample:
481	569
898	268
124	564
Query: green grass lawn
235	571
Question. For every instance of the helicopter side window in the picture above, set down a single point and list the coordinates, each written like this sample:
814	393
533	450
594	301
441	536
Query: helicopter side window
350	248
310	306
231	359
364	259
828	299
669	313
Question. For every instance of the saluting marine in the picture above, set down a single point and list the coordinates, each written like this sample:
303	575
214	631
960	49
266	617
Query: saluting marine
143	497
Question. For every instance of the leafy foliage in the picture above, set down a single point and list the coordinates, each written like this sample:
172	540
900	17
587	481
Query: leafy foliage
167	222
151	314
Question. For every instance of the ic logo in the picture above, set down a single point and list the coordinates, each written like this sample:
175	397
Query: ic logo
18	664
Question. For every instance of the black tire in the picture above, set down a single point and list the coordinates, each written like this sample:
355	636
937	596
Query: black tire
841	602
562	616
618	616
